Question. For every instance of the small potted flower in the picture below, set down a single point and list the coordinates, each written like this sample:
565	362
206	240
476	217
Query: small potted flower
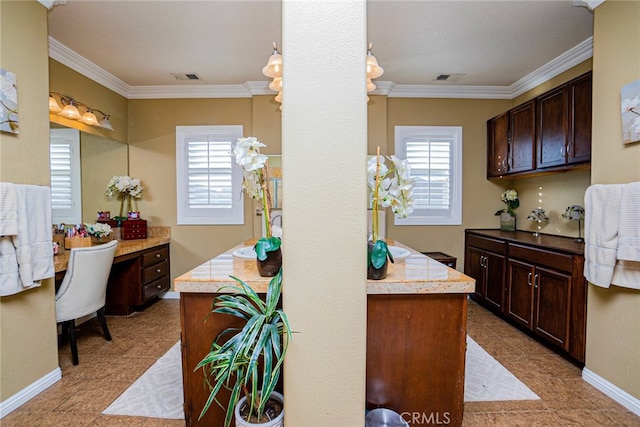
390	187
124	188
255	179
99	232
508	215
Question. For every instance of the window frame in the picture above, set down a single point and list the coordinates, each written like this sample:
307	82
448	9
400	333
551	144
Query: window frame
454	214
71	137
187	215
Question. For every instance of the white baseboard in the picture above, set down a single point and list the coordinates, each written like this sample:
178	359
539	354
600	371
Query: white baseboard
29	392
613	391
170	295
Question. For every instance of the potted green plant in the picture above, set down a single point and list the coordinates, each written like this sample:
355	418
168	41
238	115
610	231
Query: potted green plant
248	360
255	179
389	187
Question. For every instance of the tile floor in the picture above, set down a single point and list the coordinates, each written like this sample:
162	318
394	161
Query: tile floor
106	369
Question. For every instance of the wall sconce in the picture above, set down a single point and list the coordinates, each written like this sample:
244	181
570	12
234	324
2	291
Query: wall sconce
71	111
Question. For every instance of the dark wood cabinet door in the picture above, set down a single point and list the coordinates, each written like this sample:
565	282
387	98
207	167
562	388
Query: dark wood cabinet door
553	119
494	279
474	261
520	292
552	307
522	138
497	145
579	148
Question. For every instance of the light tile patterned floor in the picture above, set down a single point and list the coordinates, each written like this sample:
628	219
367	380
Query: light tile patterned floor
106	369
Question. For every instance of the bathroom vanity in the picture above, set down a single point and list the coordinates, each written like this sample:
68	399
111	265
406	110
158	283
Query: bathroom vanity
416	334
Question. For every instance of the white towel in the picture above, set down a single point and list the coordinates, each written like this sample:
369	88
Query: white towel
33	242
602	204
629	226
8	209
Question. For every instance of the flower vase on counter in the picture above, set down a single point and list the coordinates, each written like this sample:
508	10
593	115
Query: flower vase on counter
255	183
507	222
389	186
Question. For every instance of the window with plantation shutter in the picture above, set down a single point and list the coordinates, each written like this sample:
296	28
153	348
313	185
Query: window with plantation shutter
64	158
208	180
434	154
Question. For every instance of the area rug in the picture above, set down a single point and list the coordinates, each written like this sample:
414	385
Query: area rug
158	392
485	379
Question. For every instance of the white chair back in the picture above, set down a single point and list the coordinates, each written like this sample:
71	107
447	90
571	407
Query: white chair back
84	287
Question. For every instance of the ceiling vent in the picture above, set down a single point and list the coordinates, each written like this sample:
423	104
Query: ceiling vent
449	77
186	76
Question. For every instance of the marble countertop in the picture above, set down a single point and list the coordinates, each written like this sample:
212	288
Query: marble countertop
157	236
415	274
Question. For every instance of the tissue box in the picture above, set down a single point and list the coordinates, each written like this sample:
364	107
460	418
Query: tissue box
77	242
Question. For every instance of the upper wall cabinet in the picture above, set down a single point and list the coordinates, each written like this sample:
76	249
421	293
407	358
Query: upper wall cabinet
549	133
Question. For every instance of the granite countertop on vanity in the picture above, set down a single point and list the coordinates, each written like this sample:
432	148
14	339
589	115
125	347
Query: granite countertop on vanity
415	274
156	236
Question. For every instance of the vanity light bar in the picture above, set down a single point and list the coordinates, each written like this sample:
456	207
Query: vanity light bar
71	111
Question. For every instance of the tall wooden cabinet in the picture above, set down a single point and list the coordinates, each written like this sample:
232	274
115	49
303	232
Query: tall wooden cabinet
542	289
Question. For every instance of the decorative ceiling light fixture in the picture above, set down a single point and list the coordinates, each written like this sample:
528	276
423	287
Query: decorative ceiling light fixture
273	70
71	111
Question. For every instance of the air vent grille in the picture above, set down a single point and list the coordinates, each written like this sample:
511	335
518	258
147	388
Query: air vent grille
186	76
449	77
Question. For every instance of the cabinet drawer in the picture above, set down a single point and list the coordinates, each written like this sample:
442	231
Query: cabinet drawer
154	257
154	272
154	288
542	257
493	245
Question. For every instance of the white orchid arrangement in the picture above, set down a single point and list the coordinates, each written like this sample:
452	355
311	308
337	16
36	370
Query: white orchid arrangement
538	215
510	197
255	174
98	229
390	186
124	187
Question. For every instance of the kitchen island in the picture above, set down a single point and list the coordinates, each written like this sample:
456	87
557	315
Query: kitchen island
416	335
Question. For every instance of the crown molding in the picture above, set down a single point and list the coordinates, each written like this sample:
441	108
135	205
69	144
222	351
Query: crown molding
562	63
189	91
78	63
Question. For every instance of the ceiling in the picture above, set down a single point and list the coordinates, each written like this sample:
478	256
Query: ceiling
491	44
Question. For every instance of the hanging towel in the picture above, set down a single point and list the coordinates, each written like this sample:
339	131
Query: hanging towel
8	209
602	215
32	252
629	226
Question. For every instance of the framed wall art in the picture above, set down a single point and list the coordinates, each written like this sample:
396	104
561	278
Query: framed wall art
630	109
8	102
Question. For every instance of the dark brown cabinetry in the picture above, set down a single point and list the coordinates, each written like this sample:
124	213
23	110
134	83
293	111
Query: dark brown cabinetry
522	138
136	279
485	262
549	133
564	124
544	288
511	142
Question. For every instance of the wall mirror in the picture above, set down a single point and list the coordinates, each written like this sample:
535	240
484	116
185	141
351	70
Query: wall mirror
78	186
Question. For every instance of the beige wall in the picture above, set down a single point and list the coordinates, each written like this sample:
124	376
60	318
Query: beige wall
613	315
152	158
27	320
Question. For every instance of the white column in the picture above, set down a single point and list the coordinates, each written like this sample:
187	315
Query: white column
324	143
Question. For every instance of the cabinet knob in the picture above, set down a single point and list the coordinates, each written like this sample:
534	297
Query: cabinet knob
159	270
157	255
158	286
